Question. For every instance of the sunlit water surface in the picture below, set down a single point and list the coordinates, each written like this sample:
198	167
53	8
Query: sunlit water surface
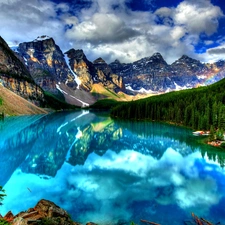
110	172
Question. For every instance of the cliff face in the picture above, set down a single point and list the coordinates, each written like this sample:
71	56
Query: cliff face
91	73
10	64
25	89
82	67
154	74
46	63
147	73
106	76
15	76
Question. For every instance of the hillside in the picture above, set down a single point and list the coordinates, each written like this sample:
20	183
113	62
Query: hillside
100	92
12	104
198	108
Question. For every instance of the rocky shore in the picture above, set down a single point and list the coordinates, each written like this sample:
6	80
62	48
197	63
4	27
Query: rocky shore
44	213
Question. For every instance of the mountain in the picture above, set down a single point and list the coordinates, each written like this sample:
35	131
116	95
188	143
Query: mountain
71	77
49	69
46	63
13	104
91	73
71	74
149	73
153	74
15	76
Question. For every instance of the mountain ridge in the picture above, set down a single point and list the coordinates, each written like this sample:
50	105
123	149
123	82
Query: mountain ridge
71	77
148	75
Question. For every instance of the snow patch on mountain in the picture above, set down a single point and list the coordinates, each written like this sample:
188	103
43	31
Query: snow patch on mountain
14	48
141	91
84	104
76	78
42	38
202	77
57	87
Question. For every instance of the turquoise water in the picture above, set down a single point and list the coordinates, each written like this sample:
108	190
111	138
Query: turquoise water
110	172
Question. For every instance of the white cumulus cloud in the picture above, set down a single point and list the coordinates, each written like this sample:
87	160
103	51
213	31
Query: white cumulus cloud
111	29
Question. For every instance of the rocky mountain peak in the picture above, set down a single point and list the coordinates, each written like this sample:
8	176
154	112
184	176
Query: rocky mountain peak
82	67
99	61
38	46
117	61
76	54
3	43
91	73
157	57
46	63
10	63
156	60
100	64
186	66
186	59
220	63
42	38
15	76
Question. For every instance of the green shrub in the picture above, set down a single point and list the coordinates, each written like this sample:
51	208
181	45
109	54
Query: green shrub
105	104
57	104
3	222
222	145
49	221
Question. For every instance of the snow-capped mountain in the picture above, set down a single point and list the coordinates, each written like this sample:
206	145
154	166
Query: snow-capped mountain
72	77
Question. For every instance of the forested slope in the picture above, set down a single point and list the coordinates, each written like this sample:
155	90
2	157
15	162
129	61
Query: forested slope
198	108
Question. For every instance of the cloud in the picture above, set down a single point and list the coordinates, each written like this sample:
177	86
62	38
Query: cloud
110	29
170	31
208	42
107	188
25	20
198	16
102	28
216	51
165	14
214	54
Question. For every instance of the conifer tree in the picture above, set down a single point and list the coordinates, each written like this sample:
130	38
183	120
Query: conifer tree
2	194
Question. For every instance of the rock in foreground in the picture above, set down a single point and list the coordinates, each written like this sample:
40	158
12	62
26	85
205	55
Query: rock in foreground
45	212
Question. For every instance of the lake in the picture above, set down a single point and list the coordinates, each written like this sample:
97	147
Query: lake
110	172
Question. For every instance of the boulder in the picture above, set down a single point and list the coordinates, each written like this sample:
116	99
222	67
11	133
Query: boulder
45	212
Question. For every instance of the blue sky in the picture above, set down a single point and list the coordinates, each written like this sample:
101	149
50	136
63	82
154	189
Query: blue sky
121	29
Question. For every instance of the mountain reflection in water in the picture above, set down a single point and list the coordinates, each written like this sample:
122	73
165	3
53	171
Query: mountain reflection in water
110	171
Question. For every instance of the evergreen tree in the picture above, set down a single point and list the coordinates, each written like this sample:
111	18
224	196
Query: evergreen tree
219	135
2	194
212	133
197	108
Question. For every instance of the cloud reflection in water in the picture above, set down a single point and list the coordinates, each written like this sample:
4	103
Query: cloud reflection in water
119	183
